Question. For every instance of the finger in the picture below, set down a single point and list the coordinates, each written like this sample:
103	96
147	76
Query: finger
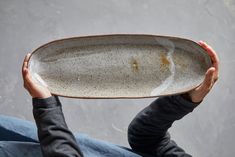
25	63
211	53
214	58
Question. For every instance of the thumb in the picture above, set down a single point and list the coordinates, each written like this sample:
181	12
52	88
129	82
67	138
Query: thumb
27	77
198	94
208	81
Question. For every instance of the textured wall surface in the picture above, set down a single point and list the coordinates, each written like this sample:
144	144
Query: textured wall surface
27	24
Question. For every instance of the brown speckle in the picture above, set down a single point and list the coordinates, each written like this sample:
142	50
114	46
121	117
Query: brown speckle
164	60
134	65
164	63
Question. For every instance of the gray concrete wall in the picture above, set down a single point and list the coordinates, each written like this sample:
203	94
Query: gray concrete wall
27	24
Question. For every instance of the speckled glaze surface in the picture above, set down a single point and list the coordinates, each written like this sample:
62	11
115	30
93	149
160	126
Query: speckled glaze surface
119	66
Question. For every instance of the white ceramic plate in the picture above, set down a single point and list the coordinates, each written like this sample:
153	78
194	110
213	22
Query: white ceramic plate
119	66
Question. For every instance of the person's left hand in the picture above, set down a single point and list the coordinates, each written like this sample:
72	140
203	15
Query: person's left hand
36	90
196	95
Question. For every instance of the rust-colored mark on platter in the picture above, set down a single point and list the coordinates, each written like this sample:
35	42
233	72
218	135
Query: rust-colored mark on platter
164	60
164	63
134	65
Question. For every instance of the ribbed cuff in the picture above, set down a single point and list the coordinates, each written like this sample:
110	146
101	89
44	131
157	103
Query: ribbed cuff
49	102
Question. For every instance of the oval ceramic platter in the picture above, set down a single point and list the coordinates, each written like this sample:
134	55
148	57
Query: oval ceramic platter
119	66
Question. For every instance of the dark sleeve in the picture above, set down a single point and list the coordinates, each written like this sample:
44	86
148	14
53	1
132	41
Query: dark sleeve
147	133
55	138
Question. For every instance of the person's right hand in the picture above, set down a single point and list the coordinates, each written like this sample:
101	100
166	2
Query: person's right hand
197	95
35	90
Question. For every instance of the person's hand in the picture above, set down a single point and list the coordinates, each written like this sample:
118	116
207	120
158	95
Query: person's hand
196	95
36	90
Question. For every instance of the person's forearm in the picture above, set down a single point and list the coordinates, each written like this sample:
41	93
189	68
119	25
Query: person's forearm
149	127
54	136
